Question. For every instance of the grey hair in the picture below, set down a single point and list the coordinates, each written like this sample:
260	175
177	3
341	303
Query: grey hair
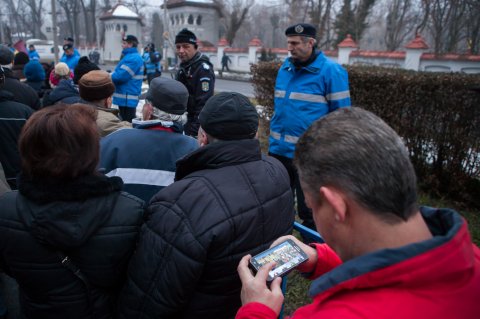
357	152
306	39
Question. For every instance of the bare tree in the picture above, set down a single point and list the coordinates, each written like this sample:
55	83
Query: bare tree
473	26
18	16
36	11
399	23
320	12
353	21
446	21
233	14
71	9
297	11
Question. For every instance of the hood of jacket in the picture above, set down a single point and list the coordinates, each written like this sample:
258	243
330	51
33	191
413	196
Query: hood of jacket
217	155
406	267
64	89
66	214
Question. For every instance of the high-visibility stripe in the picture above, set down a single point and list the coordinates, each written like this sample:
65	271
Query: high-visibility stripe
280	93
275	135
138	77
125	96
338	96
12	119
307	97
143	176
291	139
127	68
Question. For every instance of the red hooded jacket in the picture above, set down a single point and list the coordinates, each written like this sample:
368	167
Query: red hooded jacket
436	278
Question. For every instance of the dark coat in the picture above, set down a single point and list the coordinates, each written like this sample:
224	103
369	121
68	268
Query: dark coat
88	220
22	93
64	92
13	116
198	77
228	201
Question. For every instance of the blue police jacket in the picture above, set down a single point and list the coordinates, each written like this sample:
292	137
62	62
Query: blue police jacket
128	78
302	96
70	60
150	66
33	55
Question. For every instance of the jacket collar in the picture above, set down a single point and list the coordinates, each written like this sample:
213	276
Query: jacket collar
407	266
218	155
129	50
314	67
198	57
155	123
47	190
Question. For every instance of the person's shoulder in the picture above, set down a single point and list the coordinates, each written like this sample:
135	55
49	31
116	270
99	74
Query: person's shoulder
18	108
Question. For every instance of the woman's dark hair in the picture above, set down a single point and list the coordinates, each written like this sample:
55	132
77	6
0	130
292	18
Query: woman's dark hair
60	142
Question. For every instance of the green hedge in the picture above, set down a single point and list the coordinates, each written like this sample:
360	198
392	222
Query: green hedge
437	114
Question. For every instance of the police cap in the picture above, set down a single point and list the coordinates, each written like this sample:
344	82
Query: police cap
301	29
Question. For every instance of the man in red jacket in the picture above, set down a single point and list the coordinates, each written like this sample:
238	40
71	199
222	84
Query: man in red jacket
384	256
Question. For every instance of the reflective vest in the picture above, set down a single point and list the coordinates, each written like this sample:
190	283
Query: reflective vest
128	78
303	96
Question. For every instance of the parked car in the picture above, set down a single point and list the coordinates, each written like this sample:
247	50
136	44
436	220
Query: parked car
45	49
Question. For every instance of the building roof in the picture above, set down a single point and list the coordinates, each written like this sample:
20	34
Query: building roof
348	43
120	11
417	43
193	3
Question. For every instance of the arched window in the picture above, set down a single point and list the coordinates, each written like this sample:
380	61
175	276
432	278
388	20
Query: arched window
125	28
182	19
199	20
177	20
117	28
172	21
190	19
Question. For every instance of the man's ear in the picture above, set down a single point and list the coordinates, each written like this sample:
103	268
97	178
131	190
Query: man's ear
202	137
336	200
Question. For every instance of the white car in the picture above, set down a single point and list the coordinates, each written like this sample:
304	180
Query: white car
45	50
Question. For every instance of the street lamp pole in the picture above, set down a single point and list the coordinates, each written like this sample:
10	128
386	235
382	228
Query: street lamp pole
55	38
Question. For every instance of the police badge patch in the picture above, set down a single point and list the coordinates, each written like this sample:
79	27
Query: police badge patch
299	29
205	86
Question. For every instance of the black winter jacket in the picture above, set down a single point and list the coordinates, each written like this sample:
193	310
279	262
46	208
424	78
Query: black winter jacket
13	116
88	220
228	201
22	93
198	77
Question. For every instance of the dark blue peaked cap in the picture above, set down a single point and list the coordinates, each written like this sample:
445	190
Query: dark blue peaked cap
301	29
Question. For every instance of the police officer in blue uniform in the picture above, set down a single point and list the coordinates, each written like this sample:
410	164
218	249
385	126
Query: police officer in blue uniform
196	73
151	59
128	78
309	85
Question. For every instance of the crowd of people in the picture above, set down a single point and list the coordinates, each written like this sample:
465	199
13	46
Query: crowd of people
110	214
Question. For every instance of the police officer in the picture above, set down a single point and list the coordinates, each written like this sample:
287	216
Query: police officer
151	59
128	78
308	86
196	73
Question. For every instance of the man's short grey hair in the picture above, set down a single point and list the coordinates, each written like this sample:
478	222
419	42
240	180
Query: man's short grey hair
355	151
306	39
